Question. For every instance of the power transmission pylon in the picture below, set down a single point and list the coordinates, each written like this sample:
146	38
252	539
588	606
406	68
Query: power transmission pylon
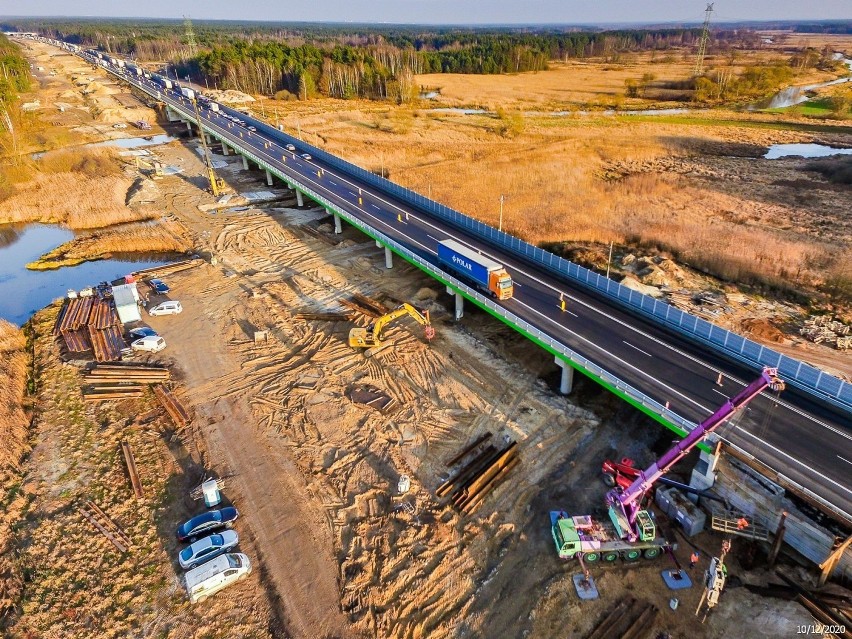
702	44
190	36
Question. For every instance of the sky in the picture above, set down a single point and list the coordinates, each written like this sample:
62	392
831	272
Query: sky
441	11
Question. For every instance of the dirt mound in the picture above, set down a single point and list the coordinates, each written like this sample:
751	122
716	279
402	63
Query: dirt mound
763	329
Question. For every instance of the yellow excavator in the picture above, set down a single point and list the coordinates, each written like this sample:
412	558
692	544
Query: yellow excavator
370	337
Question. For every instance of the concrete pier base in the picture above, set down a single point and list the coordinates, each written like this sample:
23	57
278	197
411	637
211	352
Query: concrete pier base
300	200
268	178
388	258
189	127
338	224
224	149
245	163
459	303
566	383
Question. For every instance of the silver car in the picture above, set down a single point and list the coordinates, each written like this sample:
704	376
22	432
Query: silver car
206	549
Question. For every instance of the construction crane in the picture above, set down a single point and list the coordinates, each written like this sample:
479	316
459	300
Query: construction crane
371	336
217	185
632	532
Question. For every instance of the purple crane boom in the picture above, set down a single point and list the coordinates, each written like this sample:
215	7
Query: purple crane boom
628	502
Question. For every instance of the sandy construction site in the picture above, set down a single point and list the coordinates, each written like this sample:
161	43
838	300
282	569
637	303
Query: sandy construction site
312	438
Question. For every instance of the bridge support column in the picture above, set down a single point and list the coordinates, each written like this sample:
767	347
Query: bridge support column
567	381
388	258
224	149
171	116
459	303
189	127
704	474
245	163
268	178
338	225
300	200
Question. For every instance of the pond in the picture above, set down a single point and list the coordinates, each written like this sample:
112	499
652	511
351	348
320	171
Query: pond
23	292
803	150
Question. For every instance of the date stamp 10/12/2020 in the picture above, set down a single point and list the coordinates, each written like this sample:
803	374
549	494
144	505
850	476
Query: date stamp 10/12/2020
820	629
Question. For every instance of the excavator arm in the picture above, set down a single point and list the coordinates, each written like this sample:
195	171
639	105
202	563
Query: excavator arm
372	335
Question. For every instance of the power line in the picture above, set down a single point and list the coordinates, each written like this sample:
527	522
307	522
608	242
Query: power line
702	44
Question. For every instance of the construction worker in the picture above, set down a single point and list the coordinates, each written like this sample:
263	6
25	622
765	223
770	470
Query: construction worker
742	523
693	558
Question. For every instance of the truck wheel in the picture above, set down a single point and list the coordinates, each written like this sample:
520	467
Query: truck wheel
609	557
632	555
591	557
651	553
609	479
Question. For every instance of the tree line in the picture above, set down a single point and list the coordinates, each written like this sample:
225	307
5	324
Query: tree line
14	71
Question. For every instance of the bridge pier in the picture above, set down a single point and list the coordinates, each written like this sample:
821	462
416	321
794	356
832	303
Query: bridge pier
338	225
268	178
224	148
300	200
459	303
704	473
245	163
171	116
567	381
189	127
388	258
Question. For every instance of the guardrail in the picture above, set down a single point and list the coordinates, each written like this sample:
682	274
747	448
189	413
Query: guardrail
795	372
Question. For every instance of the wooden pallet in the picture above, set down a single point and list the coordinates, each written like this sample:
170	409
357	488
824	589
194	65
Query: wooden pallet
105	524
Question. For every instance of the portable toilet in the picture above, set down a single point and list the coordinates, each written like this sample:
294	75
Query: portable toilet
212	496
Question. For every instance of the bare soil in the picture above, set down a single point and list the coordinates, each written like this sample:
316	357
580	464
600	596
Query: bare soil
315	475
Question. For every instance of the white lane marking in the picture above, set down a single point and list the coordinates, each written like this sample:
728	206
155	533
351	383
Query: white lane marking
844	459
793	459
378	208
332	182
628	364
780	402
435	239
720	393
636	347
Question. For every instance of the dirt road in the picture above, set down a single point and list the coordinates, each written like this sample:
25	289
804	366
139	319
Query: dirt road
293	543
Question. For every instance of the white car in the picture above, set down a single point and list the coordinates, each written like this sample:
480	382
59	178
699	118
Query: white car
171	307
290	147
150	344
306	156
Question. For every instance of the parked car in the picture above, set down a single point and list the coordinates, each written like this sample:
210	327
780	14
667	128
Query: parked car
206	549
159	286
171	307
142	331
150	344
207	522
306	156
211	577
290	147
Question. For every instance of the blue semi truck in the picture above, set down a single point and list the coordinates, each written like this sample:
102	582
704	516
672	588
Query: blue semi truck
470	266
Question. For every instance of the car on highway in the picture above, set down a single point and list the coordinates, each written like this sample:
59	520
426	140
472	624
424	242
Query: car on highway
306	156
207	548
150	344
159	286
142	331
290	147
207	522
253	129
172	307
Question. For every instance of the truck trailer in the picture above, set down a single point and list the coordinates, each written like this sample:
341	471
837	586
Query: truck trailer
187	93
482	271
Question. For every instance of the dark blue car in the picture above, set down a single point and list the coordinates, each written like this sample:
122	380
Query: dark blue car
142	331
159	286
207	522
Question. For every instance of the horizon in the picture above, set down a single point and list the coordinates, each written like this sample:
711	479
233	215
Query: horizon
504	13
